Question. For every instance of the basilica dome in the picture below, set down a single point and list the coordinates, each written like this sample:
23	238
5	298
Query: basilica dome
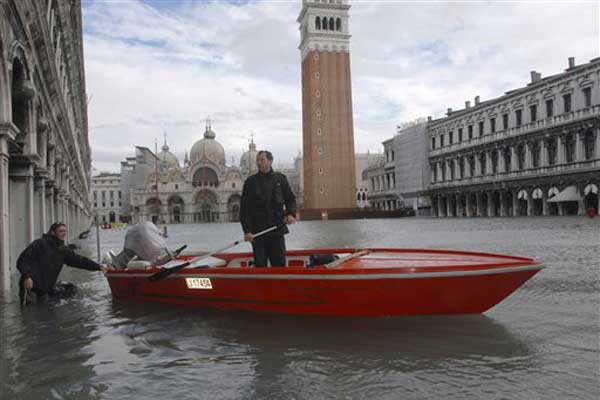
208	149
248	160
167	159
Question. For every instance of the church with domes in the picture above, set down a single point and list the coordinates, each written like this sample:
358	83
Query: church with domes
156	187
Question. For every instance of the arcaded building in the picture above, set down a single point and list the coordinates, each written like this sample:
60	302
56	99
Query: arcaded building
327	121
45	158
533	151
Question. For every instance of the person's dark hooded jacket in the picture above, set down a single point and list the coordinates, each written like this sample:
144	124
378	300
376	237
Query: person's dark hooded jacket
43	260
266	200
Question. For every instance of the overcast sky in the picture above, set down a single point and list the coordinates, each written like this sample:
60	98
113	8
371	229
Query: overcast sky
166	65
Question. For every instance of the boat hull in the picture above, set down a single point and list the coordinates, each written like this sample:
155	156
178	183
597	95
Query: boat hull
375	286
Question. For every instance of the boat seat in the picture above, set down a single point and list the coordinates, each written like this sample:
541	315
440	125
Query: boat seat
321	259
349	257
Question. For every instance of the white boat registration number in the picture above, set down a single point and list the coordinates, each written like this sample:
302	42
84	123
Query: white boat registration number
198	283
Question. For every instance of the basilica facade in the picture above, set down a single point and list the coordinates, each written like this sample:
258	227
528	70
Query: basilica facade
156	187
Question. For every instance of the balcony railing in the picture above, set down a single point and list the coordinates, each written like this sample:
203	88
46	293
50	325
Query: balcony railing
518	131
520	174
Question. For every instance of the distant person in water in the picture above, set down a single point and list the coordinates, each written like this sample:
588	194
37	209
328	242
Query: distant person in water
41	262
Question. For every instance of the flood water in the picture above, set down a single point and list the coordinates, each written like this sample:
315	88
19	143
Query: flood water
540	343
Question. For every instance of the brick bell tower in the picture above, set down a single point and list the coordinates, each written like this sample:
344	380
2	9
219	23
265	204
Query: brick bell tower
327	124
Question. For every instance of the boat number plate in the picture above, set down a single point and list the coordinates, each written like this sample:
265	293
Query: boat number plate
198	283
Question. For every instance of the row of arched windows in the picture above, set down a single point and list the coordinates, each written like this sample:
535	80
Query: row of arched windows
328	24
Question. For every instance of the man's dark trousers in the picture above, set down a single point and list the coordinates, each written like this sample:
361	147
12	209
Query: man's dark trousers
270	248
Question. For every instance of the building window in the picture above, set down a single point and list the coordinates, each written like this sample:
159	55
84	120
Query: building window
338	24
95	205
493	125
433	143
441	140
318	23
470	131
233	185
535	155
533	112
505	121
480	128
112	204
103	204
507	159
589	145
570	148
435	172
393	155
461	167
519	117
494	156
587	96
567	102
482	160
460	134
521	157
103	195
472	165
119	195
450	137
95	195
549	108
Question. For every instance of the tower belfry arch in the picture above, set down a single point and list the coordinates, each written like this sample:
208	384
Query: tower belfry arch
327	121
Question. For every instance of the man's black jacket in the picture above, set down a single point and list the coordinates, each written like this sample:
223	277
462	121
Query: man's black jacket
43	259
266	200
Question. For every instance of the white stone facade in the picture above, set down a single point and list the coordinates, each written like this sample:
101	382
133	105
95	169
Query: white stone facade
106	198
45	159
508	156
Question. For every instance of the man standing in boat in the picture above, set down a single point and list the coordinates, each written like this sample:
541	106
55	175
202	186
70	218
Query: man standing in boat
41	262
267	200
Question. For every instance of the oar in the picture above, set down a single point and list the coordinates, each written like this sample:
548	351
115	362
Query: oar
163	273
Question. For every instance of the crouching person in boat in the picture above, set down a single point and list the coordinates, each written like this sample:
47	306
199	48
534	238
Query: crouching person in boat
267	200
41	262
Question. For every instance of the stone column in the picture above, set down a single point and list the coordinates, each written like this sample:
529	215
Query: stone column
543	153
529	203
501	163
490	205
477	165
597	149
479	204
488	162
21	207
49	192
514	158
5	237
439	204
40	206
459	211
515	205
561	144
448	165
528	157
580	203
579	138
467	168
448	205
433	180
503	205
545	202
468	204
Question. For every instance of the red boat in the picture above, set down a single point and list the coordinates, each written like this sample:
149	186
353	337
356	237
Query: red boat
366	282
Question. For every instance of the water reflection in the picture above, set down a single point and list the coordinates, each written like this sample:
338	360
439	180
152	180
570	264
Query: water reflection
45	347
314	356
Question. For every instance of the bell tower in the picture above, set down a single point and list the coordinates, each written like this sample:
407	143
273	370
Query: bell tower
327	123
